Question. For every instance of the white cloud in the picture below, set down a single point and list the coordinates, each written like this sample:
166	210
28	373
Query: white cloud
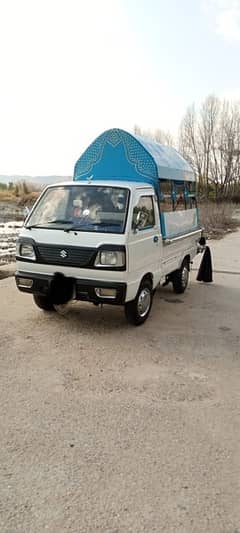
226	16
228	24
69	70
232	95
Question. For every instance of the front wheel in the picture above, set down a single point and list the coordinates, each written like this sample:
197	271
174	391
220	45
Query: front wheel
138	310
180	278
43	302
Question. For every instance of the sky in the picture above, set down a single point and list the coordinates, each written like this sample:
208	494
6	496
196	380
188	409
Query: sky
70	69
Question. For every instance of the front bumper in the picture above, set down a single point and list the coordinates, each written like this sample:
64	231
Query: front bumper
85	289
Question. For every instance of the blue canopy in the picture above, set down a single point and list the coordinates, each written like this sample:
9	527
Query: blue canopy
119	155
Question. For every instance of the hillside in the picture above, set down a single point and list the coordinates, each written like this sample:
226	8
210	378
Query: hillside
38	180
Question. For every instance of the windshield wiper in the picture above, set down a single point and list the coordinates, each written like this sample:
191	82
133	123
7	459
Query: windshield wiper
45	224
34	226
59	221
108	223
101	226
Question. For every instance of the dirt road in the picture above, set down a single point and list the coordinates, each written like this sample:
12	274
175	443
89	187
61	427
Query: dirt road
108	428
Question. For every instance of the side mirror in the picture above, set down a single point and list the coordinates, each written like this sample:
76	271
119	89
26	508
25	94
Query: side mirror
140	219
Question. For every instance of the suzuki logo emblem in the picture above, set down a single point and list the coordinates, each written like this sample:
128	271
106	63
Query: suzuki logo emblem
63	254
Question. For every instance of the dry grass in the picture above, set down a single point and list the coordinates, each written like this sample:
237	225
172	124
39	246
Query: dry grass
29	198
7	196
21	199
21	193
218	219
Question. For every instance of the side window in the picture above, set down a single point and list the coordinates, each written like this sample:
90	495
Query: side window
166	202
177	195
143	213
191	195
179	198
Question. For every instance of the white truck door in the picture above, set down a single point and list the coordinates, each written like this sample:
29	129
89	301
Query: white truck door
145	239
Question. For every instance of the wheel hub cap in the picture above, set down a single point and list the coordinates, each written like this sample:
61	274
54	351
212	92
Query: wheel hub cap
185	275
144	302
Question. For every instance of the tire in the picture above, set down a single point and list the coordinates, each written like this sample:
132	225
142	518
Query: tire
138	310
180	278
43	302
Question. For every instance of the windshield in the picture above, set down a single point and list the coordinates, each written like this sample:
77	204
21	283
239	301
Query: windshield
83	207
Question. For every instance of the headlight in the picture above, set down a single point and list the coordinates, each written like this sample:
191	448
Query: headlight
110	259
26	250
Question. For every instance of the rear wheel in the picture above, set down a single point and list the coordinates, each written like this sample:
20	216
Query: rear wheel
180	277
43	302
138	310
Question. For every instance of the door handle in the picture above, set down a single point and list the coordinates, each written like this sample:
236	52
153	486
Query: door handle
155	238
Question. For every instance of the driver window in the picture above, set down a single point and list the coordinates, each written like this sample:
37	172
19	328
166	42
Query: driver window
143	213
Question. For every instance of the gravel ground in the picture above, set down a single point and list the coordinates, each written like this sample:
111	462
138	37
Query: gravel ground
110	428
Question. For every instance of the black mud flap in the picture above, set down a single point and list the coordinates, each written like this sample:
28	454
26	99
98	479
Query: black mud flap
205	272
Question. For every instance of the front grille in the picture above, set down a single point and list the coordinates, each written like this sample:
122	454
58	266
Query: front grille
65	255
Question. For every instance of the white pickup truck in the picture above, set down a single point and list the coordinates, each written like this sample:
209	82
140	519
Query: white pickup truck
127	222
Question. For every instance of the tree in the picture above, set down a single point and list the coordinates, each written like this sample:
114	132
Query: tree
17	189
158	135
208	122
189	142
25	188
210	140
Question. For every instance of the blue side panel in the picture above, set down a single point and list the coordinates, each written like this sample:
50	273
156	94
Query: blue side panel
117	155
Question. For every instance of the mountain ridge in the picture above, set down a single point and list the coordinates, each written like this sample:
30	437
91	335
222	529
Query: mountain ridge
39	180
